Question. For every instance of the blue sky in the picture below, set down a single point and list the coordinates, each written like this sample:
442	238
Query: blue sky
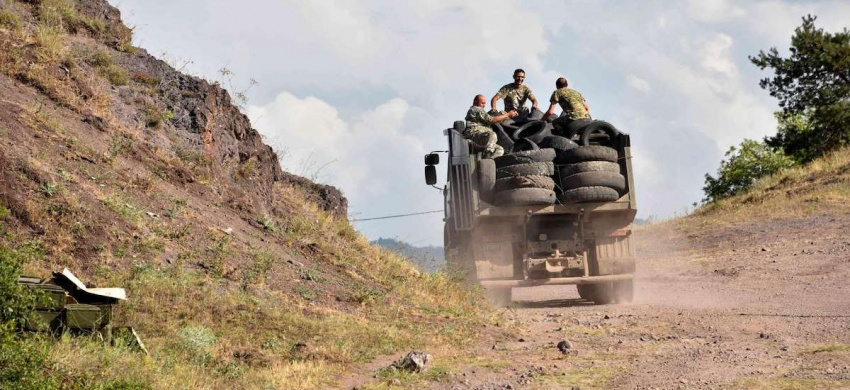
354	93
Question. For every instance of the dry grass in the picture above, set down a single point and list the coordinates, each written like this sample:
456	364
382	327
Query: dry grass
822	185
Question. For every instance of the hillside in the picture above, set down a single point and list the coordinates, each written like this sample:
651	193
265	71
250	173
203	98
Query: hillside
427	258
239	275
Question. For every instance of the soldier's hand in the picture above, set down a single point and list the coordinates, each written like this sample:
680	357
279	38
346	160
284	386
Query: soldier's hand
512	114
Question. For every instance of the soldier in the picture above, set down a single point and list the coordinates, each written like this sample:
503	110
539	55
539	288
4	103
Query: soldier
515	94
478	129
571	101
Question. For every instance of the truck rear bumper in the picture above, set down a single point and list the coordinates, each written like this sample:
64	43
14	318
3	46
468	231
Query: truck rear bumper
555	281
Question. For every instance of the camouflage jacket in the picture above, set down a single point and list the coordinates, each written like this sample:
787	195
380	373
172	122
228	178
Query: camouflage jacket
571	102
514	97
477	120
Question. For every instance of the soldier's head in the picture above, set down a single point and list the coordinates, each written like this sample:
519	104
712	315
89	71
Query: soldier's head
519	77
561	83
479	101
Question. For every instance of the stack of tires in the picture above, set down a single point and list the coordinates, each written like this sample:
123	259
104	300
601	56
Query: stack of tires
590	174
542	168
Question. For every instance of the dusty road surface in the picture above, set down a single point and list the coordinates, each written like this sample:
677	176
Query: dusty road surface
764	306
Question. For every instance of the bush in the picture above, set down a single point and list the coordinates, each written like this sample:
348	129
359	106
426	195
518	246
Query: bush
742	168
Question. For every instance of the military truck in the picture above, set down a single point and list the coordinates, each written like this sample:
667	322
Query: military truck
588	243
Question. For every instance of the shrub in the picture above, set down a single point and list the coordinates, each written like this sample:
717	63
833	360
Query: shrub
10	20
116	75
742	168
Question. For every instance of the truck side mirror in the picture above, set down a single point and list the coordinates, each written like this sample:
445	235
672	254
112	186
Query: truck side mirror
430	175
432	159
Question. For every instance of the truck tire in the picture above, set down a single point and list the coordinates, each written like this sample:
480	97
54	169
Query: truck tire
589	194
598	130
515	182
588	166
486	179
503	139
524	144
533	130
558	143
584	292
624	291
612	180
602	293
499	296
525	157
574	128
535	168
587	153
525	196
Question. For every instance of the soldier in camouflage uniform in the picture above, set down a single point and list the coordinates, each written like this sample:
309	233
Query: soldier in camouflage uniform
515	94
478	130
570	100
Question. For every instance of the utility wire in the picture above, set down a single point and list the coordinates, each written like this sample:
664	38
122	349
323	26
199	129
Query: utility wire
397	216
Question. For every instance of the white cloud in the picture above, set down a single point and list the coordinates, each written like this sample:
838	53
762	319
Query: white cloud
715	55
638	83
714	10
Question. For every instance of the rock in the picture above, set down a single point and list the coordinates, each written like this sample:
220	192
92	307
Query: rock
395	382
606	317
414	361
565	346
765	249
228	231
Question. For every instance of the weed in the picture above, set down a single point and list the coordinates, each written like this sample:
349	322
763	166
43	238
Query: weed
123	208
51	42
48	190
218	253
174	210
120	143
146	79
4	212
149	246
101	59
247	169
268	224
156	117
305	292
262	261
10	20
312	275
116	75
829	348
197	341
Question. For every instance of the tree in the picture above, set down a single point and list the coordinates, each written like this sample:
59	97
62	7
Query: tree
813	88
742	168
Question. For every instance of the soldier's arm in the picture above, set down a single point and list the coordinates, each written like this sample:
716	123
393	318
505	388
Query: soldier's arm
550	111
585	105
495	100
499	118
533	100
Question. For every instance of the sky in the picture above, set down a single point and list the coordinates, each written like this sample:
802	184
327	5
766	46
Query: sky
355	93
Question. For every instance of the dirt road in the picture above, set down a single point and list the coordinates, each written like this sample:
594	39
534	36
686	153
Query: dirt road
763	306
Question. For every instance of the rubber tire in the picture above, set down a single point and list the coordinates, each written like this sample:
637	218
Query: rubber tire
502	137
535	168
612	180
587	153
486	179
525	196
525	157
598	127
624	291
585	292
459	126
588	166
533	130
589	194
515	182
499	296
575	128
524	144
602	293
558	143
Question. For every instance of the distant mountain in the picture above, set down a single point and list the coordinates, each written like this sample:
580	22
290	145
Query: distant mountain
427	258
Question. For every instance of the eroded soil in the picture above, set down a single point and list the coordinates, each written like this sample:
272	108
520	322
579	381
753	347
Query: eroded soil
763	306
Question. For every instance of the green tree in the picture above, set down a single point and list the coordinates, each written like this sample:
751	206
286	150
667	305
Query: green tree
742	167
813	89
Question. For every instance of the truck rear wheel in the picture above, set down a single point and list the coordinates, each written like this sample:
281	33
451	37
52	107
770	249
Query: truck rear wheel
624	291
598	293
499	296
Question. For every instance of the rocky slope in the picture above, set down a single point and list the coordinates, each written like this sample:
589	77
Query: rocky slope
132	174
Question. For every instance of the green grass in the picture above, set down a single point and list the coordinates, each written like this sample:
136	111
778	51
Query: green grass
829	348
